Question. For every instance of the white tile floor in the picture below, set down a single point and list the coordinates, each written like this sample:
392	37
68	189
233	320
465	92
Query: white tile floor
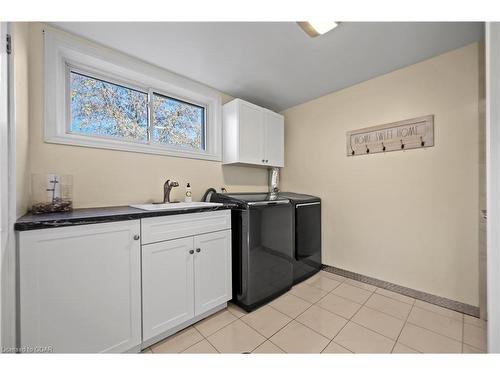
330	314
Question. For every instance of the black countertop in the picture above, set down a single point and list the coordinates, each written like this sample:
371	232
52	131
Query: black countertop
83	216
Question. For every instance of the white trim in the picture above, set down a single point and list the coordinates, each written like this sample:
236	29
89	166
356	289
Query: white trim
493	183
7	196
4	119
62	49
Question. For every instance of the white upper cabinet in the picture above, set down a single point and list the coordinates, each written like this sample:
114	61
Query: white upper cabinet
275	139
252	135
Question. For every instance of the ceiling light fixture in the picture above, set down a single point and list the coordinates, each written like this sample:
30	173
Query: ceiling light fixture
315	28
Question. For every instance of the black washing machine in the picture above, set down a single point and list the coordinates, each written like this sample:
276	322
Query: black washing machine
306	259
262	246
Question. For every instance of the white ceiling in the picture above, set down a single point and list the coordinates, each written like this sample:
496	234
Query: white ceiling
275	64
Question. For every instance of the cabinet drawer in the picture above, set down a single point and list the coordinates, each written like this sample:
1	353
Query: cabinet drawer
156	229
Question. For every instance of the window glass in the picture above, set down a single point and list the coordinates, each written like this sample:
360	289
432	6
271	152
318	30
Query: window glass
104	109
178	123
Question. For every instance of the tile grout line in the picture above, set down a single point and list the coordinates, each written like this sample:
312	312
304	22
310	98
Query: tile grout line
402	328
429	330
312	329
361	325
340	330
206	339
237	318
370	329
394	299
260	334
405	324
383	312
253	351
439	313
364	305
347	299
184	329
197	330
295	319
471	345
432	330
282	328
213	333
463	332
242	321
359	303
331	312
350	320
224	326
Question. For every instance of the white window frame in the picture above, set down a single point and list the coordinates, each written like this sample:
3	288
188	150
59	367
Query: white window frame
64	52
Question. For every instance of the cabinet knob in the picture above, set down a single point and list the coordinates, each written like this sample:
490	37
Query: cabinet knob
263	160
191	251
267	161
136	237
198	250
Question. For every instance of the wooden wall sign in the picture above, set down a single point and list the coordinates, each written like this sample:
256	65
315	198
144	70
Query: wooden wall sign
396	136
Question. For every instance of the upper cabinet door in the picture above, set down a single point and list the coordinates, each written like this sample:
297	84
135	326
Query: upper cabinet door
251	134
275	139
80	288
167	285
212	270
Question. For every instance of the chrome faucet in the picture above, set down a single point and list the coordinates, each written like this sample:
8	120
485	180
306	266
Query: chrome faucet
167	187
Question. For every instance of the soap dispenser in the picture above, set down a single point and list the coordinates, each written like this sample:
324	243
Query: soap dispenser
188	198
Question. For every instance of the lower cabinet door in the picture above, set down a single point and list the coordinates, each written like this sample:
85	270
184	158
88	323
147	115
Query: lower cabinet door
167	285
212	270
80	288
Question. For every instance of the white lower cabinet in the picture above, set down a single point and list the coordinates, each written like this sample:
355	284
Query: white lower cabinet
167	285
212	270
184	278
80	288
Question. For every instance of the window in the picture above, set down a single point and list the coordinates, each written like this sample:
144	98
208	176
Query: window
100	108
178	123
103	109
96	97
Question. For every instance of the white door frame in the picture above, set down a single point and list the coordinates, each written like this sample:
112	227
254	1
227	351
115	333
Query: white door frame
493	182
4	121
7	196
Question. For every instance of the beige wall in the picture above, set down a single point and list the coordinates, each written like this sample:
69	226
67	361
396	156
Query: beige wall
20	38
410	217
105	178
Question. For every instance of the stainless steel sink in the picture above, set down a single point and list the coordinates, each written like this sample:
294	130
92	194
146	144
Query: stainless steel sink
174	206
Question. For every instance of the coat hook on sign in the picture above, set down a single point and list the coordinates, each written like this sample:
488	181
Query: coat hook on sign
422	142
383	146
352	150
402	145
367	149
